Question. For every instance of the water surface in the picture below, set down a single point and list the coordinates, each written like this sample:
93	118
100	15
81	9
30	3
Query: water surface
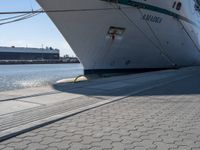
24	76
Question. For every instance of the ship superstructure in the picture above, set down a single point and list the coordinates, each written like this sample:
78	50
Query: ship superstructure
126	35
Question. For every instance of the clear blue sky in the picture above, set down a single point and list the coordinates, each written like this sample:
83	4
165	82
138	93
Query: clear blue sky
33	32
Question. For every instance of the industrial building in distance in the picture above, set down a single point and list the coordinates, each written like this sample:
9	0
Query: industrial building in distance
24	55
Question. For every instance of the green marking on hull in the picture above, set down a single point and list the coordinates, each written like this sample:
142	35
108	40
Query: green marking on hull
141	5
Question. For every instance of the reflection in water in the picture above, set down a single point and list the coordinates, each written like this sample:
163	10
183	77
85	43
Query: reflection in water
23	76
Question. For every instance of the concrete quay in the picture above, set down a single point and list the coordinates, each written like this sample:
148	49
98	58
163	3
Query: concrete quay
148	111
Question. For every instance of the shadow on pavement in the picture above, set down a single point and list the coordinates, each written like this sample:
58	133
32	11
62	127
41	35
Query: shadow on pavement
187	86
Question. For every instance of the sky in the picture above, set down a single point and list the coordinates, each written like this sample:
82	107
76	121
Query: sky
38	31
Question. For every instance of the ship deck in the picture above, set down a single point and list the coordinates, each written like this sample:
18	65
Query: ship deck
156	110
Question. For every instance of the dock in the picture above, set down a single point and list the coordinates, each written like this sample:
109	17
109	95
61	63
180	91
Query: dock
147	111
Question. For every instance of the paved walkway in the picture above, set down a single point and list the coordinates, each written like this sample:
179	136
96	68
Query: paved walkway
149	111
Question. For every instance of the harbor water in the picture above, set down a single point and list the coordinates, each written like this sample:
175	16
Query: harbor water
23	76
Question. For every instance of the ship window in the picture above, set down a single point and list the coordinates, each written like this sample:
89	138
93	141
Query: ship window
179	5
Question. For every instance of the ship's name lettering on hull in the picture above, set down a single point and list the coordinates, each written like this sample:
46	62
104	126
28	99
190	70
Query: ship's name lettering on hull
151	18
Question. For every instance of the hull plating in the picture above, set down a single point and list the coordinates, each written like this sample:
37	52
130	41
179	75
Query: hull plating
151	39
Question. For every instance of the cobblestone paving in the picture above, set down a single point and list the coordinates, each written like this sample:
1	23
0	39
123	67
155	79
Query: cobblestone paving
135	123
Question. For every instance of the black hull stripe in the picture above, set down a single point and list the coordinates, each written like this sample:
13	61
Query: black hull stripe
140	5
123	71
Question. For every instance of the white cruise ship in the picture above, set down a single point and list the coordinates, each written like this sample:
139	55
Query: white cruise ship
129	35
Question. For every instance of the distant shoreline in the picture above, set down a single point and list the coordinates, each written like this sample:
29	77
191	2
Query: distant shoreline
17	62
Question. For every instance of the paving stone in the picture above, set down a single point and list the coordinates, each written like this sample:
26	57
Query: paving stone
104	144
49	140
2	146
49	133
37	146
181	148
15	140
113	138
120	146
148	144
168	139
35	139
61	145
89	140
9	148
96	148
139	148
60	134
79	146
127	140
195	148
20	145
163	146
75	138
52	148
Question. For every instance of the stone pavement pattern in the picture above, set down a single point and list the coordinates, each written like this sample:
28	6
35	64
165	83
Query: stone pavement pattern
147	121
142	123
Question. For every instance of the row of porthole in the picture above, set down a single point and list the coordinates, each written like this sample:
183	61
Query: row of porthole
177	5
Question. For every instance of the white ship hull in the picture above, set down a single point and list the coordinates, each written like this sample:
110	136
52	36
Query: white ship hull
156	36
